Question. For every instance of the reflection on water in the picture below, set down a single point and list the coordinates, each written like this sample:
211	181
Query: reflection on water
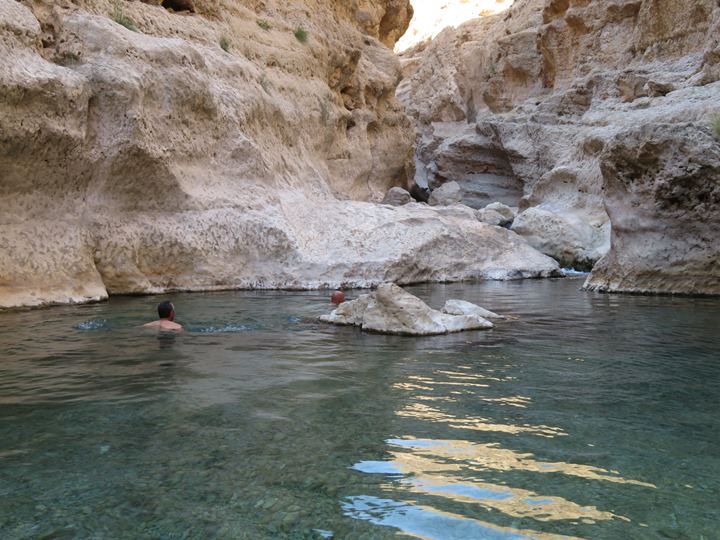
583	416
420	410
424	522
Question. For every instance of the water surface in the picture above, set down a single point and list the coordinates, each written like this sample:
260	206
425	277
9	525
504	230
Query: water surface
584	416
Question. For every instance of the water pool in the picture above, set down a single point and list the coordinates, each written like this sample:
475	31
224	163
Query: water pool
586	416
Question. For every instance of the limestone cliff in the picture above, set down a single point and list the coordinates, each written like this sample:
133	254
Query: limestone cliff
592	117
196	145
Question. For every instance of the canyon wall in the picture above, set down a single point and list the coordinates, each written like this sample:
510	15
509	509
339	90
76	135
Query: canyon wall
199	145
594	120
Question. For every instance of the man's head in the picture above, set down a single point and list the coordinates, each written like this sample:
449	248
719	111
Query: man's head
166	310
337	297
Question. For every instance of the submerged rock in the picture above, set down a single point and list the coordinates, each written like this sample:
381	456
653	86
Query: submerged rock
392	310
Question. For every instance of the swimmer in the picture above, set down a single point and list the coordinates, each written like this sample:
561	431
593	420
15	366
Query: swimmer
337	297
166	312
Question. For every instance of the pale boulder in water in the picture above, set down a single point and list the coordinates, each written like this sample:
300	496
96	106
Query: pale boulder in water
392	310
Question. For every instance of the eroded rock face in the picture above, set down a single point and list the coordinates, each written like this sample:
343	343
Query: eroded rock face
148	160
518	108
391	310
662	185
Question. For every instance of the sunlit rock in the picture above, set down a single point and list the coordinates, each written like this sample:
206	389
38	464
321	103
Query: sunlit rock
392	310
662	185
150	160
520	106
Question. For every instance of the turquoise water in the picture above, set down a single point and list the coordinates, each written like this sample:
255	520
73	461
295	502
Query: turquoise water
585	416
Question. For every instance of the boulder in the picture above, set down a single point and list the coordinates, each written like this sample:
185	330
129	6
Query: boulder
566	237
502	209
397	196
496	214
445	195
392	310
491	217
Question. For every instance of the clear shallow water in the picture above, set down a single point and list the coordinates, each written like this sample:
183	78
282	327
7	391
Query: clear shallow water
587	416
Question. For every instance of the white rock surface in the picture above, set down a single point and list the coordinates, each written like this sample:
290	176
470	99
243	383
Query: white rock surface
392	310
462	307
523	107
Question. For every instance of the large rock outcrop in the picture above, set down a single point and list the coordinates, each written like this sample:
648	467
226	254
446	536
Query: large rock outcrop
155	146
663	197
528	107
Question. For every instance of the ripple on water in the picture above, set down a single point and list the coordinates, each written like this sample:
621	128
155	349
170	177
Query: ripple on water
93	324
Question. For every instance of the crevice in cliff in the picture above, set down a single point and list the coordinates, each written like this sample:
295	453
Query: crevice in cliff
178	5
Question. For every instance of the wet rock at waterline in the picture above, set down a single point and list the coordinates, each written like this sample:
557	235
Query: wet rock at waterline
463	307
300	244
392	310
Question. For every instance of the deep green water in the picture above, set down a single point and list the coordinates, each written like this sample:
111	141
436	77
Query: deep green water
588	416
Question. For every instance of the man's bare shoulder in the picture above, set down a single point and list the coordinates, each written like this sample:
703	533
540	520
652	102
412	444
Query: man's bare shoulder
163	325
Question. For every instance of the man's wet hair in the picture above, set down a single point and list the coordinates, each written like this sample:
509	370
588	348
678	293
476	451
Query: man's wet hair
164	309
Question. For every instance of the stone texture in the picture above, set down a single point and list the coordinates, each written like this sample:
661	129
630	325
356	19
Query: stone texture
491	217
566	238
662	185
146	161
461	307
446	195
397	196
504	210
519	106
391	310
